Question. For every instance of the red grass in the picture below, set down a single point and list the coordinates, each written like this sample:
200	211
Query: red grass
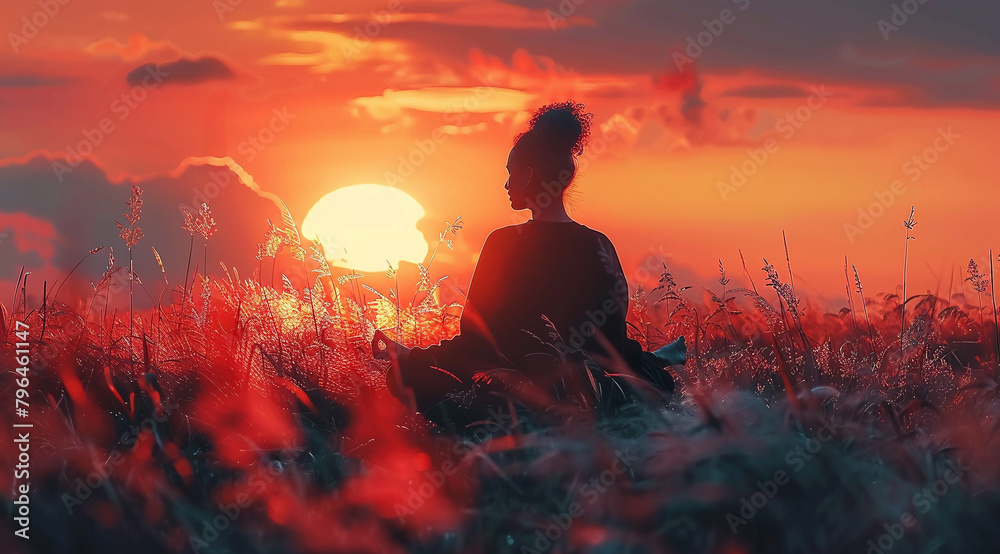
241	394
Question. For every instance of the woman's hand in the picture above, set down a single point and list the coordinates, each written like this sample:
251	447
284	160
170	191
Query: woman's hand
674	353
383	348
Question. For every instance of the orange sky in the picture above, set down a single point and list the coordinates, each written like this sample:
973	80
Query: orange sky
470	71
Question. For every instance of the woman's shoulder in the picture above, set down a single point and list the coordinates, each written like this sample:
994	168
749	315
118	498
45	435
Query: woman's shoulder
506	229
594	232
503	234
598	236
557	230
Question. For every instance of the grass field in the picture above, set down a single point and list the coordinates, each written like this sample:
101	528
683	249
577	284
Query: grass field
237	416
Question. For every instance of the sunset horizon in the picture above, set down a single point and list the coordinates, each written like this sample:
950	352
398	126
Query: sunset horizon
699	154
505	276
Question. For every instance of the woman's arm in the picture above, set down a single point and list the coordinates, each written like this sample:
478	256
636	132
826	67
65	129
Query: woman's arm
486	293
614	302
472	350
649	365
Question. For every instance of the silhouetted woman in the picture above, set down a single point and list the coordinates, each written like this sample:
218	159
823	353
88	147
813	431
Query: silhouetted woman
548	280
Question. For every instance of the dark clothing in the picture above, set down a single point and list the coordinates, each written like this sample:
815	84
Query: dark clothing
564	271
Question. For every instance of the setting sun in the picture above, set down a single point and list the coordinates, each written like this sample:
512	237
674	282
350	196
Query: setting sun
290	277
363	227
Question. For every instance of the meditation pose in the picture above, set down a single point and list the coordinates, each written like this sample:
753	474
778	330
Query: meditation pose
542	291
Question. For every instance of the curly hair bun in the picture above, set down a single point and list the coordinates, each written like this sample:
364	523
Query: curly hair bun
565	124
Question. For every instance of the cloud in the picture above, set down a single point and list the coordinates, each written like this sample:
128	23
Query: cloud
767	91
138	46
51	225
406	35
461	13
28	234
945	56
184	71
489	86
929	63
226	163
545	78
390	104
457	110
915	78
327	52
678	117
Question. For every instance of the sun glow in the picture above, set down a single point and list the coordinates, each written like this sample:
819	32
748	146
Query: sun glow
363	226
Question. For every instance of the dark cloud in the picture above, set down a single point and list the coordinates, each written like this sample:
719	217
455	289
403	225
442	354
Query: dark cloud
767	91
83	208
183	71
946	54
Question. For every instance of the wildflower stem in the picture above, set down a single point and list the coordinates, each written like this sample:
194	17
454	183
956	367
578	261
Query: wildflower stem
909	224
188	270
59	288
864	305
850	298
131	357
996	328
399	328
747	272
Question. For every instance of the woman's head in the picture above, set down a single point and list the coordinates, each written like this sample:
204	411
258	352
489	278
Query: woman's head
542	162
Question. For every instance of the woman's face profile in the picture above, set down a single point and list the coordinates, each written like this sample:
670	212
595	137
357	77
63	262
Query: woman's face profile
518	181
